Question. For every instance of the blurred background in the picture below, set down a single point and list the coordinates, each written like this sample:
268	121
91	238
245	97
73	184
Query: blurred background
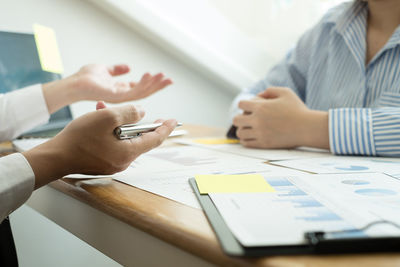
210	48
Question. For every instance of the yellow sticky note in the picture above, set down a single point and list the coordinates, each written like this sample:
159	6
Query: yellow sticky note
47	47
239	183
216	141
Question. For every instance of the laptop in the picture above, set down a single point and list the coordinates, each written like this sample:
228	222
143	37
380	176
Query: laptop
20	67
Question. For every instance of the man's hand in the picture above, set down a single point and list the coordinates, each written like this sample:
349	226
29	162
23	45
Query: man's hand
88	146
96	82
277	118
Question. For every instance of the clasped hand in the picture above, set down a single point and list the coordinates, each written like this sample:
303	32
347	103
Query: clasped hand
278	118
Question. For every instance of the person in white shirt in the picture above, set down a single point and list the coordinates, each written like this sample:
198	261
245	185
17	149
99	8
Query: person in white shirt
87	145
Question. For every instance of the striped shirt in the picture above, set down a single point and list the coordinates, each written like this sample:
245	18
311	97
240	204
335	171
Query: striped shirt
327	70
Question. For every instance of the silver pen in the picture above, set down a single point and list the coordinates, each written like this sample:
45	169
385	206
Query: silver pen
128	131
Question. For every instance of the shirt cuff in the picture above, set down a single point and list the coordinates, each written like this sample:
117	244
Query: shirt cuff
17	181
386	130
28	108
351	131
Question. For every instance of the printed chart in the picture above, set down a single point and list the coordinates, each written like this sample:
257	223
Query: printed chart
329	202
345	164
279	218
175	165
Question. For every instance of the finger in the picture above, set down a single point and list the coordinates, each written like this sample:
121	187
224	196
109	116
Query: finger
245	133
120	69
159	121
247	105
144	81
149	85
100	105
241	120
273	92
261	94
155	80
155	88
158	82
252	143
168	82
153	139
127	114
160	85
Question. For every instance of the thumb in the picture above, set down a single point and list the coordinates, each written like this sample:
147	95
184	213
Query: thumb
120	69
129	113
100	105
273	92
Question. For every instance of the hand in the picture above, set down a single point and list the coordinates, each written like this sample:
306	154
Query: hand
96	82
277	118
88	146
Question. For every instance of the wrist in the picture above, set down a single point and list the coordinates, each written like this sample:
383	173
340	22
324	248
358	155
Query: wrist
316	129
61	93
47	163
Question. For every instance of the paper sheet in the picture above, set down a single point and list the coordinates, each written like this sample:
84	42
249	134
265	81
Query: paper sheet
329	202
175	165
239	183
360	197
264	154
215	141
345	164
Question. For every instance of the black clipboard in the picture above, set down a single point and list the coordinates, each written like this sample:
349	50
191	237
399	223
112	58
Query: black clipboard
317	243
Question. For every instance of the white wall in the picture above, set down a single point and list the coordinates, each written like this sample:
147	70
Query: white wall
40	242
87	35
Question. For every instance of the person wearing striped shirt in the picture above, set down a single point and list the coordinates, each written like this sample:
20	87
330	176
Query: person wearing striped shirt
337	89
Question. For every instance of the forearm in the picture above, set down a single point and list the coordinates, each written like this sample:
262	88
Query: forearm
315	129
61	93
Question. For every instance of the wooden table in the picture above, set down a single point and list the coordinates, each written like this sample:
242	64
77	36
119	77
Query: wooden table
135	227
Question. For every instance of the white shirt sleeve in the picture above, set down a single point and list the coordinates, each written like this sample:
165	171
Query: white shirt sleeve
17	182
22	110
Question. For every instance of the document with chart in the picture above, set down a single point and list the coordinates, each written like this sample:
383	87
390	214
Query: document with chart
166	171
345	164
340	203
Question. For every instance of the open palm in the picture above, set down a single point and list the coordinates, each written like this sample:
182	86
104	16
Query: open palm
96	82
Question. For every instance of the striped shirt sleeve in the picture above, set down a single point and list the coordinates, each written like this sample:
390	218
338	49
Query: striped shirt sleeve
386	126
365	131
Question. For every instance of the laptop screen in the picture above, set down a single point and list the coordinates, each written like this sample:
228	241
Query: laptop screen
20	67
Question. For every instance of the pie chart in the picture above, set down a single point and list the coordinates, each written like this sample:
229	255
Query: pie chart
375	192
355	182
352	168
